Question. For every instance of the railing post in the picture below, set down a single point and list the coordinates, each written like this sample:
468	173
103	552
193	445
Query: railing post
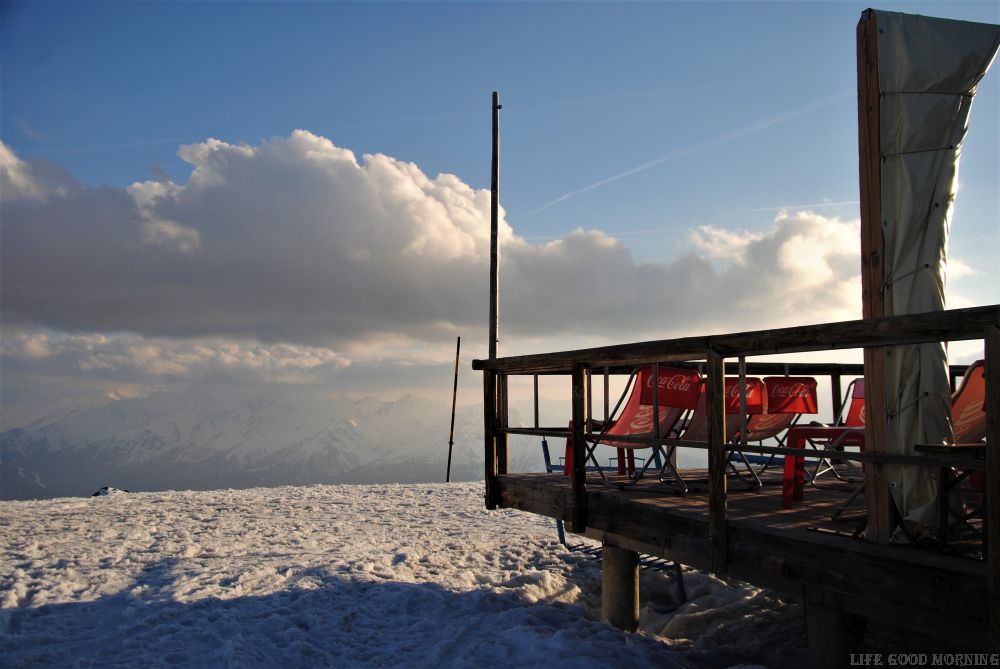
501	437
535	384
717	456
579	505
836	397
992	506
490	434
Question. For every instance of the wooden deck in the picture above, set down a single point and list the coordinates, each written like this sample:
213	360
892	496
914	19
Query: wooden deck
800	551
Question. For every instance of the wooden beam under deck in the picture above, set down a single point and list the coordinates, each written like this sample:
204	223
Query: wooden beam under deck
938	595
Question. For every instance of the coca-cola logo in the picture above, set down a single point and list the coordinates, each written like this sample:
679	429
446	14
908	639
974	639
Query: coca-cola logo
790	391
674	382
970	416
642	422
767	421
733	391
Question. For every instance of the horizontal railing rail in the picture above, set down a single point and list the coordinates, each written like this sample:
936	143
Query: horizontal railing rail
950	325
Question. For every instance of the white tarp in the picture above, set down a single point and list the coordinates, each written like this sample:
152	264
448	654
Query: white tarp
928	70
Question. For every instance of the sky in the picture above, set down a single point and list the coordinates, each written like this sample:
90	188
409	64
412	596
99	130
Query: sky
298	193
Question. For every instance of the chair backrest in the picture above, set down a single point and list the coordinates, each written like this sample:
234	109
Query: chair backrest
677	393
756	396
788	397
791	394
677	387
856	409
968	406
697	427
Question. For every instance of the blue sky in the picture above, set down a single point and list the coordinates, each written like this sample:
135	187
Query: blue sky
731	110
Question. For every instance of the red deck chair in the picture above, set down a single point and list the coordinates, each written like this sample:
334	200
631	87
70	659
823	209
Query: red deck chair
968	417
854	417
697	427
968	406
788	399
677	393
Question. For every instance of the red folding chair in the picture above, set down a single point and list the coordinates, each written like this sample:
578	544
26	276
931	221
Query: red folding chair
852	414
697	427
968	406
788	399
676	393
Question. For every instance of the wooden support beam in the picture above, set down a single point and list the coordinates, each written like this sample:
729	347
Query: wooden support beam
717	462
579	506
992	528
872	271
620	587
490	434
502	423
832	632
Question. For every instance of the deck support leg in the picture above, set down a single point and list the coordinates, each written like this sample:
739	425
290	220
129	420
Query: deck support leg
620	587
831	632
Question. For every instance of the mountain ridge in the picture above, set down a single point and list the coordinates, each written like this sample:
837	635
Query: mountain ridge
208	438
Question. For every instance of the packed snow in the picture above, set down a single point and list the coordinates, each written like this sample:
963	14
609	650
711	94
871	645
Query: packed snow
345	576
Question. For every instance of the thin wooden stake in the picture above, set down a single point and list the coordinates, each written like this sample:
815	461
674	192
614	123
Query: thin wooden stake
454	398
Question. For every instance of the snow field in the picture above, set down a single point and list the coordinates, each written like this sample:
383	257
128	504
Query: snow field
343	576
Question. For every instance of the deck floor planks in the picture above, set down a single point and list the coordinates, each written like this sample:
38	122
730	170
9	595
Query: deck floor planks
775	547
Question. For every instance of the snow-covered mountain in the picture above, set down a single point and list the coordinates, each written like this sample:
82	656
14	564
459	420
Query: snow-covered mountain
235	438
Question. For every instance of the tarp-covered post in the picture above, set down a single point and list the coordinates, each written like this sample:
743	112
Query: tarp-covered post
927	73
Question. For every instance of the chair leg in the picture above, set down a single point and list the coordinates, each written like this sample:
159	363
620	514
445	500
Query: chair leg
756	479
859	490
667	464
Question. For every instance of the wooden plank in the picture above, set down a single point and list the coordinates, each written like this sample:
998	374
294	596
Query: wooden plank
579	507
992	521
949	325
490	432
718	457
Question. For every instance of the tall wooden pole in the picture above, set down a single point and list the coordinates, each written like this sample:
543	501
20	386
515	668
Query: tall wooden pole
490	382
872	271
495	231
454	398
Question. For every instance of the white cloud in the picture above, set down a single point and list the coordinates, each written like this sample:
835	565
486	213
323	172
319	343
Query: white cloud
295	240
959	269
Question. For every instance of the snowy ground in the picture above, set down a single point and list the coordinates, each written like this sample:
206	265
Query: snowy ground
344	576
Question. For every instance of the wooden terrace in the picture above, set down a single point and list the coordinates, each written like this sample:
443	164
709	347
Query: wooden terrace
733	531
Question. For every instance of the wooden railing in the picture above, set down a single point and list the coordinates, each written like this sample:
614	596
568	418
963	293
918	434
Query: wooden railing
953	325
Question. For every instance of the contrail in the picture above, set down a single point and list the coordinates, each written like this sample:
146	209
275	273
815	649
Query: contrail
701	146
811	205
122	145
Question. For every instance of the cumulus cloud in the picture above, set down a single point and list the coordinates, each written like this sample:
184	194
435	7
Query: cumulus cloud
296	240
